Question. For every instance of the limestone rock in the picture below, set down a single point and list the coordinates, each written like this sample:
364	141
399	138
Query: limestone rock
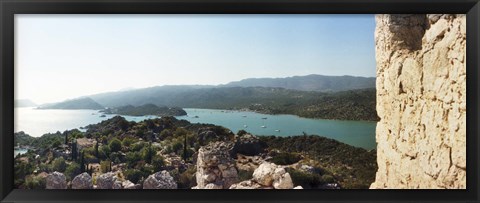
421	97
264	173
106	180
56	180
82	181
215	166
160	180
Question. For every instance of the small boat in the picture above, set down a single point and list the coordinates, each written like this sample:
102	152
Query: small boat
264	118
277	130
244	116
263	126
245	126
195	116
103	115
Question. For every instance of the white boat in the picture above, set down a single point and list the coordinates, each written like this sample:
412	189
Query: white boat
277	130
245	126
263	126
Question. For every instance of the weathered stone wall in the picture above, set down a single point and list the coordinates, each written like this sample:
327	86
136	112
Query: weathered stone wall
421	100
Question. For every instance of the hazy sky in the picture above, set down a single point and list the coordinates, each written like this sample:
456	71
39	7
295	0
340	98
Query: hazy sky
60	57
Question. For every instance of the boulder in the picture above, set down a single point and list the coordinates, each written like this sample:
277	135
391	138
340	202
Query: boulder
117	185
106	180
249	184
82	181
56	180
269	174
160	180
264	173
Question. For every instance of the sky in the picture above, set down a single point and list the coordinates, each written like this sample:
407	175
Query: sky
59	57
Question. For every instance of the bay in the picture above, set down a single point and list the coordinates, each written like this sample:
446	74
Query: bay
37	122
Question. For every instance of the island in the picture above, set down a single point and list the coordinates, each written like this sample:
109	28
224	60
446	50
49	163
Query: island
146	109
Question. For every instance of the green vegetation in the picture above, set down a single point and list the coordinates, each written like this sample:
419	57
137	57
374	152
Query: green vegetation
146	109
352	167
139	149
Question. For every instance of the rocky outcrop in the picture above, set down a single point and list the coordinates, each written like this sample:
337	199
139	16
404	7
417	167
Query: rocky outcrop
106	181
56	180
267	176
421	100
82	181
160	180
215	167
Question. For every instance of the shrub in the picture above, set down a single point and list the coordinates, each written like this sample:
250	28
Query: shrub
285	158
115	145
158	162
133	175
105	166
35	182
241	132
127	141
244	175
306	180
187	179
72	170
104	152
132	158
59	165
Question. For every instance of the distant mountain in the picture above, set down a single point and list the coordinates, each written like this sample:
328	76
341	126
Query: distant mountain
24	103
319	83
159	95
80	103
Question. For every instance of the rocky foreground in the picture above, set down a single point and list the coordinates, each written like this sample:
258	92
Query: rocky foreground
167	153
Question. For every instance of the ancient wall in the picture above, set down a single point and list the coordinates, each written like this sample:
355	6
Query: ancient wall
421	100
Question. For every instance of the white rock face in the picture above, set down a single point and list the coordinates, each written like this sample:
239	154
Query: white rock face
82	181
267	176
106	180
421	100
160	180
56	180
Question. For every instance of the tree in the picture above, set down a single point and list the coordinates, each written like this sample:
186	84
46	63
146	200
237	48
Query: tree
72	170
82	161
115	145
96	149
74	150
185	148
66	138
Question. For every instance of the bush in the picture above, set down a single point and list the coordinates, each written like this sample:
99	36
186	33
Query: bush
132	158
133	175
187	179
165	134
241	132
285	158
104	152
115	145
306	180
244	175
127	141
35	182
72	170
105	166
59	165
158	162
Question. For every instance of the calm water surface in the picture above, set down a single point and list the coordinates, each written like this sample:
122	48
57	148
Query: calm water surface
357	133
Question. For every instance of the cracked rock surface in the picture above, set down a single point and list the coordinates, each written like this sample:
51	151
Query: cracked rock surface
421	100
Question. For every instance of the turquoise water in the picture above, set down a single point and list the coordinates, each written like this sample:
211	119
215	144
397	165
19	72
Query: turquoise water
357	133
